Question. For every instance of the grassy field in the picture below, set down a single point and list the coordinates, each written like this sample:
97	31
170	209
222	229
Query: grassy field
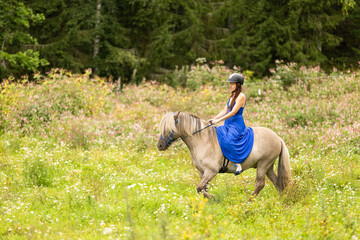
78	160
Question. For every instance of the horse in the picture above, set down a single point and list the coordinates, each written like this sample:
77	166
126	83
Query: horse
209	160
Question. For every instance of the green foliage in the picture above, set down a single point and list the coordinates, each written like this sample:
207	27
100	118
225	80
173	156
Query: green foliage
15	20
36	173
195	76
136	39
347	5
121	63
51	99
23	61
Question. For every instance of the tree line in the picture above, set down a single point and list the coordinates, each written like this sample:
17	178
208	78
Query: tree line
150	38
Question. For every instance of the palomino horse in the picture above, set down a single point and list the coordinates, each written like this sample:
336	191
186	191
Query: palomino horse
207	157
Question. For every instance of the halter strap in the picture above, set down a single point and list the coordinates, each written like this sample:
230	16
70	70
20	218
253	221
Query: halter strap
171	136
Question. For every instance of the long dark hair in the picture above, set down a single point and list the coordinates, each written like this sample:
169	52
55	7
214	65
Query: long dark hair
235	94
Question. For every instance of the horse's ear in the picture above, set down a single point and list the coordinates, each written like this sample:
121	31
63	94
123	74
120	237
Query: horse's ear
176	116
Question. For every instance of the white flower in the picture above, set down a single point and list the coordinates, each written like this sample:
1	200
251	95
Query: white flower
107	231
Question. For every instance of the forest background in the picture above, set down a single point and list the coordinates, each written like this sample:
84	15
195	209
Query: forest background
151	38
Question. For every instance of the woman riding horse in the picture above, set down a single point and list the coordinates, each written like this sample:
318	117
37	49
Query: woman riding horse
235	138
256	147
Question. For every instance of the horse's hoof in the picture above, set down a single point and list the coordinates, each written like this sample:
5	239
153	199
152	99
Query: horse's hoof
251	199
209	196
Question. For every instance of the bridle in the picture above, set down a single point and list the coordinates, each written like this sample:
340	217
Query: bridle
169	139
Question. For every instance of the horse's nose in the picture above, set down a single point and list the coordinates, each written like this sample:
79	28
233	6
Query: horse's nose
161	145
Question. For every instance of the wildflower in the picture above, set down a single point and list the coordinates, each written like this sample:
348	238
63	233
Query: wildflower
107	231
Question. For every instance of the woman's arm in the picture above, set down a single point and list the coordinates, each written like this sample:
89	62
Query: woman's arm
222	113
239	102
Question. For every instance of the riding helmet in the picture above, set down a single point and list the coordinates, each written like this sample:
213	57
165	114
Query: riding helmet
236	78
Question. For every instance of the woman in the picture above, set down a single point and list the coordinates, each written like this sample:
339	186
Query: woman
235	138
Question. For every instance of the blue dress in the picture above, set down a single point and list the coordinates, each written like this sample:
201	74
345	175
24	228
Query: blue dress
236	140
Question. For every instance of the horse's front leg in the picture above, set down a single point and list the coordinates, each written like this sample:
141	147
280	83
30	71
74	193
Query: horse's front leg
201	173
206	177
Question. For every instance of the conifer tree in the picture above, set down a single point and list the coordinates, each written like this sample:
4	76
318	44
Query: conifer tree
313	22
67	35
347	53
132	39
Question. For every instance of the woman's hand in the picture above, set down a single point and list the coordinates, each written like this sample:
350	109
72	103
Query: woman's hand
213	121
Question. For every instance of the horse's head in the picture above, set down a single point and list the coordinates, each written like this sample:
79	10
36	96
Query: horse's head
168	130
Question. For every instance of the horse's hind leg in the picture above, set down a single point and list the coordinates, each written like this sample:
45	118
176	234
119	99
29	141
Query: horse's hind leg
260	182
272	176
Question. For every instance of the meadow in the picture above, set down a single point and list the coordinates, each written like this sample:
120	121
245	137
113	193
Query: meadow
78	158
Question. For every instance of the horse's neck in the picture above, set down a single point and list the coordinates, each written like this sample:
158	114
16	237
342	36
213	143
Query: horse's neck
198	146
197	142
190	142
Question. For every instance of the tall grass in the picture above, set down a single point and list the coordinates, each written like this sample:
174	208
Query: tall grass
78	160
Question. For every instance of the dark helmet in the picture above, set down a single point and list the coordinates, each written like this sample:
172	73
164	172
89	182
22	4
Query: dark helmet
236	78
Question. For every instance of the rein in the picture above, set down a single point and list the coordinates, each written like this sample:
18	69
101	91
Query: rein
202	129
195	131
169	139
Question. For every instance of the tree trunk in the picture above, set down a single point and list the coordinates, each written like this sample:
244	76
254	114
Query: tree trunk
319	38
98	16
3	64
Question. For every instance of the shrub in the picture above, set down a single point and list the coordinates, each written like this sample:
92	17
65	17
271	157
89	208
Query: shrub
290	73
31	107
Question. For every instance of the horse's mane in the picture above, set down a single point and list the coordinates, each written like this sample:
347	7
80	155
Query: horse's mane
167	124
187	125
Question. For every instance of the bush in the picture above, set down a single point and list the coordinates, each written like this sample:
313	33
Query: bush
30	107
290	73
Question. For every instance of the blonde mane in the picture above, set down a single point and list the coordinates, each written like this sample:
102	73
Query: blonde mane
187	125
167	124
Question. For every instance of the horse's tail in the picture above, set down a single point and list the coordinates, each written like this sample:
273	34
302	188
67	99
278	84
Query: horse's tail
284	172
